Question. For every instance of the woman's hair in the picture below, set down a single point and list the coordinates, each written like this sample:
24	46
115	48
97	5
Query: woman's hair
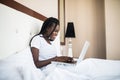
49	22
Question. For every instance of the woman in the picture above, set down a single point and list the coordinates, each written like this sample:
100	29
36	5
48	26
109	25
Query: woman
42	48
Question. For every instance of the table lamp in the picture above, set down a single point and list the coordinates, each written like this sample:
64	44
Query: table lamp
70	33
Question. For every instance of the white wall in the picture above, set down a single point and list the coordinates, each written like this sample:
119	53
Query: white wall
89	22
48	8
112	18
16	28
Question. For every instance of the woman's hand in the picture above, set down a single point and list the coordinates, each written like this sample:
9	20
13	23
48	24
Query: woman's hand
64	59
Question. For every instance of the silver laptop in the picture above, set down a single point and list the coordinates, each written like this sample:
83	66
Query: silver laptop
81	57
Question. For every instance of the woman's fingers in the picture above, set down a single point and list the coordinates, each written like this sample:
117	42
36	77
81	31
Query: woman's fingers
65	59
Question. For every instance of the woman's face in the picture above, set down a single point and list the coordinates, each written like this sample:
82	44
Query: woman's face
55	32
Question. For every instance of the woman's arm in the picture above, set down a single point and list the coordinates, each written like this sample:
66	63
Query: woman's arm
39	64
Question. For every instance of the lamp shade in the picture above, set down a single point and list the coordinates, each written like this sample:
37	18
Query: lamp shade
70	32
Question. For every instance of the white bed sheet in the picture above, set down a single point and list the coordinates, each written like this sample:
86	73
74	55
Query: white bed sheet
100	69
20	66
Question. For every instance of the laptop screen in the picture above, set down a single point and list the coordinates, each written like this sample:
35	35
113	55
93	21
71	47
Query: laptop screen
84	51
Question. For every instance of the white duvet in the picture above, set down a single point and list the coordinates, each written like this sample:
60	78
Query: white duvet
20	66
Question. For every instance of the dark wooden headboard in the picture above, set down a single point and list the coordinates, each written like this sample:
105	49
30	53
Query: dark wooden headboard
22	8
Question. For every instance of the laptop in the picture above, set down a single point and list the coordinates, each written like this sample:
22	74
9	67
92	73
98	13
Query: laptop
80	58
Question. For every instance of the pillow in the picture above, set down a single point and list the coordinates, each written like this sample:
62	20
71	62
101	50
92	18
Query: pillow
11	66
23	57
9	72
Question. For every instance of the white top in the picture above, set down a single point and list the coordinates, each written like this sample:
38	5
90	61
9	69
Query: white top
46	50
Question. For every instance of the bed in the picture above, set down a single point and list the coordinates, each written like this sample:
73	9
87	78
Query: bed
20	66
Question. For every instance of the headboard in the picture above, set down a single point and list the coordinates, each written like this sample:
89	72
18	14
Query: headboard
16	29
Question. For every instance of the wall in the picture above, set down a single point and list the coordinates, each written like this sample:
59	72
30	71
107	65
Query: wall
112	19
89	21
48	8
16	28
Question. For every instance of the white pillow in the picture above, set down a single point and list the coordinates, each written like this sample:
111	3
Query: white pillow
23	57
9	72
11	66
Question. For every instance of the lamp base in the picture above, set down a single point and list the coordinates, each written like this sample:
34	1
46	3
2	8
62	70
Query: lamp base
70	54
